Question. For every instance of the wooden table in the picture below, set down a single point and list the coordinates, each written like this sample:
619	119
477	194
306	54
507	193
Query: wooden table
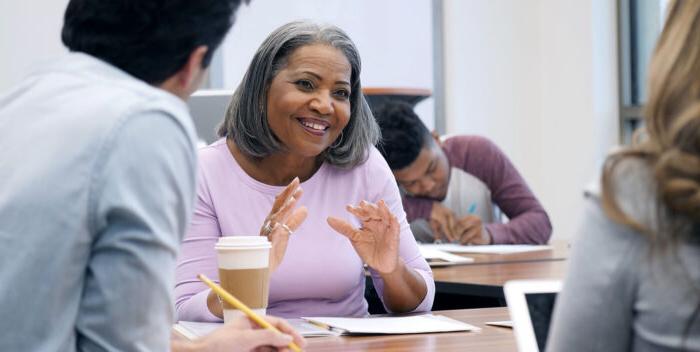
489	339
487	280
480	283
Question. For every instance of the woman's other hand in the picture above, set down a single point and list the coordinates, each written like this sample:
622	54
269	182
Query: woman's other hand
377	240
283	220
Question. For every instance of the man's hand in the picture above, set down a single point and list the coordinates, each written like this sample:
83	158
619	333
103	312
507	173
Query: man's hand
244	335
470	230
442	222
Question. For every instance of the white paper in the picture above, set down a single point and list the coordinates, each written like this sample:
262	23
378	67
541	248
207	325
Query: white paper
501	323
394	325
442	257
193	330
486	249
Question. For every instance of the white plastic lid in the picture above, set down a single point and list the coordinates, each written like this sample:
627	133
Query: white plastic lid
243	242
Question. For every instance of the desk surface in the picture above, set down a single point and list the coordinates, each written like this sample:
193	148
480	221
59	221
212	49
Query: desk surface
489	339
487	280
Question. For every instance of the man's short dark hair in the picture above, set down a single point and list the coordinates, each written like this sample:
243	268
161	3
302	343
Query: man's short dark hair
149	39
403	133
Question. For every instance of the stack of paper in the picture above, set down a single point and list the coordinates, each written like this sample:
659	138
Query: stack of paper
436	257
193	330
486	249
416	324
501	323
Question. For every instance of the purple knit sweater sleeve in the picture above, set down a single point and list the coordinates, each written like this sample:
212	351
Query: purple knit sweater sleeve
480	157
417	208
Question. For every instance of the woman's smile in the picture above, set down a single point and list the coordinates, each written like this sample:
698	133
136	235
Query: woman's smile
314	126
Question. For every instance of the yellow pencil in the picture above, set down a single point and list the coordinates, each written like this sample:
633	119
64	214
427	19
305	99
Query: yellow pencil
242	307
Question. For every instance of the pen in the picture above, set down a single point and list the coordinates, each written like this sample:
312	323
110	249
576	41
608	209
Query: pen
243	308
472	208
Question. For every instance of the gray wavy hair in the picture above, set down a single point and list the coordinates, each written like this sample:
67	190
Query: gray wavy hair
246	118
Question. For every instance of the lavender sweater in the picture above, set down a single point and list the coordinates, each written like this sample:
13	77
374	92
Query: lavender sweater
321	274
481	158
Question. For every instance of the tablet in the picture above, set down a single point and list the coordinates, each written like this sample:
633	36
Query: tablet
531	304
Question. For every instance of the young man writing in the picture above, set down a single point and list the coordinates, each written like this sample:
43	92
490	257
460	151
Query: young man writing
451	186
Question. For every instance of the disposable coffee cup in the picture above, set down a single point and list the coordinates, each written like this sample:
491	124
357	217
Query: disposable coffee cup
244	271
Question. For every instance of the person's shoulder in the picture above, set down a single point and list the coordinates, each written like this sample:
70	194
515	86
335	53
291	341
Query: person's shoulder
632	184
376	163
212	154
472	152
464	142
633	181
374	157
126	95
374	167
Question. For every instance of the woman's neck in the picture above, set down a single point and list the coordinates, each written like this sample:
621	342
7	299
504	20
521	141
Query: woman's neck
278	169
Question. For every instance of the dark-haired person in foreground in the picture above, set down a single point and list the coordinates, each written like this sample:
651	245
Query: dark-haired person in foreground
633	281
450	186
97	171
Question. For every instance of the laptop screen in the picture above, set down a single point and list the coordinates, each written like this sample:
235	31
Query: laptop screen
540	307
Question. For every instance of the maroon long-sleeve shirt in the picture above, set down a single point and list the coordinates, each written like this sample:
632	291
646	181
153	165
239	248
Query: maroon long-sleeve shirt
481	158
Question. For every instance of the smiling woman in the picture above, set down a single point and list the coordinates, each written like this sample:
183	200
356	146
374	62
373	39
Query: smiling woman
299	120
247	122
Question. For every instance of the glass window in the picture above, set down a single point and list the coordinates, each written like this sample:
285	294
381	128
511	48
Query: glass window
640	22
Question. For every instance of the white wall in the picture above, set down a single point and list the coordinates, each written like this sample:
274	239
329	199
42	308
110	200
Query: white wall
30	34
539	78
394	38
536	76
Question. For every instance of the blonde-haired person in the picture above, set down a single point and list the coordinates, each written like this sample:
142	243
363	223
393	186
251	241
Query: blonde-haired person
634	277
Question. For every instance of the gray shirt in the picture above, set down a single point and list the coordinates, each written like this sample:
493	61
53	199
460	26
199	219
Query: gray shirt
619	295
96	188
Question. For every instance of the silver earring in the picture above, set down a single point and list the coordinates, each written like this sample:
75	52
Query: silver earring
338	141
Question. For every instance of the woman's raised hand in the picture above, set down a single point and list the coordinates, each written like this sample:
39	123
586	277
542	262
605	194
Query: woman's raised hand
283	220
377	240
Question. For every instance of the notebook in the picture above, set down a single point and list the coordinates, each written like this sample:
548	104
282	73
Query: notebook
531	304
487	249
193	330
415	324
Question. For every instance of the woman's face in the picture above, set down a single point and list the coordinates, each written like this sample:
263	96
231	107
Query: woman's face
308	103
